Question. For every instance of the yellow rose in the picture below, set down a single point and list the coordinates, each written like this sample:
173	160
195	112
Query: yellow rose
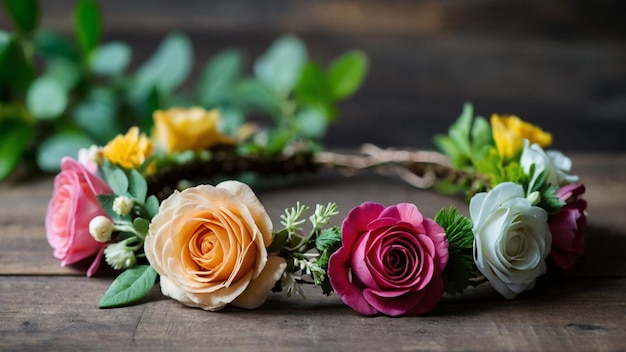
187	129
209	246
130	150
510	131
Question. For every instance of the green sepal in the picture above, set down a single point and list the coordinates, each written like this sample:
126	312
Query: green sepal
129	287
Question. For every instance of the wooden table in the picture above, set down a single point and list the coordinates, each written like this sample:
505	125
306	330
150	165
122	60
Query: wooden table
44	306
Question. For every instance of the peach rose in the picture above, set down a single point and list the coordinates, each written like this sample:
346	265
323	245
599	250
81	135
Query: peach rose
209	246
72	206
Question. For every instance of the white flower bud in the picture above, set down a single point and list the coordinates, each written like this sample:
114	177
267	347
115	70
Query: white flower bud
118	256
101	228
122	205
534	198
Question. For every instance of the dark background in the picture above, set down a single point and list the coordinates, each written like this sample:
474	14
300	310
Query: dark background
559	64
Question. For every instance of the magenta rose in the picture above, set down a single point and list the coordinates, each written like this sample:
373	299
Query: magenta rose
390	260
568	226
70	210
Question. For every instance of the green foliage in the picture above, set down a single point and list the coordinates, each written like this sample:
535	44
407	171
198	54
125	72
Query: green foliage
46	98
110	59
83	89
460	268
24	13
15	135
497	171
16	71
280	66
346	74
53	149
88	25
468	139
129	287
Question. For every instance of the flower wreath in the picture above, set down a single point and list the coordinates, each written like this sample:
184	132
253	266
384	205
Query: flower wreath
214	246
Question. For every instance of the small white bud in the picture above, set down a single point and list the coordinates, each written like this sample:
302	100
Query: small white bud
118	256
122	205
101	228
534	198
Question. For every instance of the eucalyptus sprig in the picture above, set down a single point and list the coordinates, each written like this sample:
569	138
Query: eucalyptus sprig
306	254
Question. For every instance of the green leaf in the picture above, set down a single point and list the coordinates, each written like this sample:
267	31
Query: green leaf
65	72
137	186
458	229
311	123
16	72
152	206
53	44
218	78
346	74
169	67
97	114
110	59
328	238
14	138
129	287
141	225
116	178
458	272
280	66
53	149
482	138
87	24
24	13
254	95
278	240
46	98
313	85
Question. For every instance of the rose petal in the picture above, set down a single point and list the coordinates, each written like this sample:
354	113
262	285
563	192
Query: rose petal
254	296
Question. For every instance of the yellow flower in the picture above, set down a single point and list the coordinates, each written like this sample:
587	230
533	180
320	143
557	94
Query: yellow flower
179	129
510	131
130	150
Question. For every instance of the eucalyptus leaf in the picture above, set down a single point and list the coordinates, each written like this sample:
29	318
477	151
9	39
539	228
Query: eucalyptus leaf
137	186
170	65
311	123
24	13
110	59
54	44
152	206
97	114
218	78
14	138
53	149
87	24
346	74
46	98
141	225
129	287
65	72
254	95
280	66
118	181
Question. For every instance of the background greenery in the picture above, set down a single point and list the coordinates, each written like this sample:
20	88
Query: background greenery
59	93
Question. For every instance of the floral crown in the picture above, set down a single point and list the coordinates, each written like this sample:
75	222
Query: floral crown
147	204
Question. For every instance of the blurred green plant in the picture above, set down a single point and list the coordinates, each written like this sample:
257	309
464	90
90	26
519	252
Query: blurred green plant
59	94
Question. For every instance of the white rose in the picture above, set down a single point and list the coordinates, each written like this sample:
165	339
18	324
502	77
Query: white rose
511	238
553	162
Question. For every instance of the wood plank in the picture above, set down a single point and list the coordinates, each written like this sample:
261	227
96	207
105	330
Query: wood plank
23	206
60	313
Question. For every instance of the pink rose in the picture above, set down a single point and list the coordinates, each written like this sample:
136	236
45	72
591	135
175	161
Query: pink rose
390	261
70	210
568	226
